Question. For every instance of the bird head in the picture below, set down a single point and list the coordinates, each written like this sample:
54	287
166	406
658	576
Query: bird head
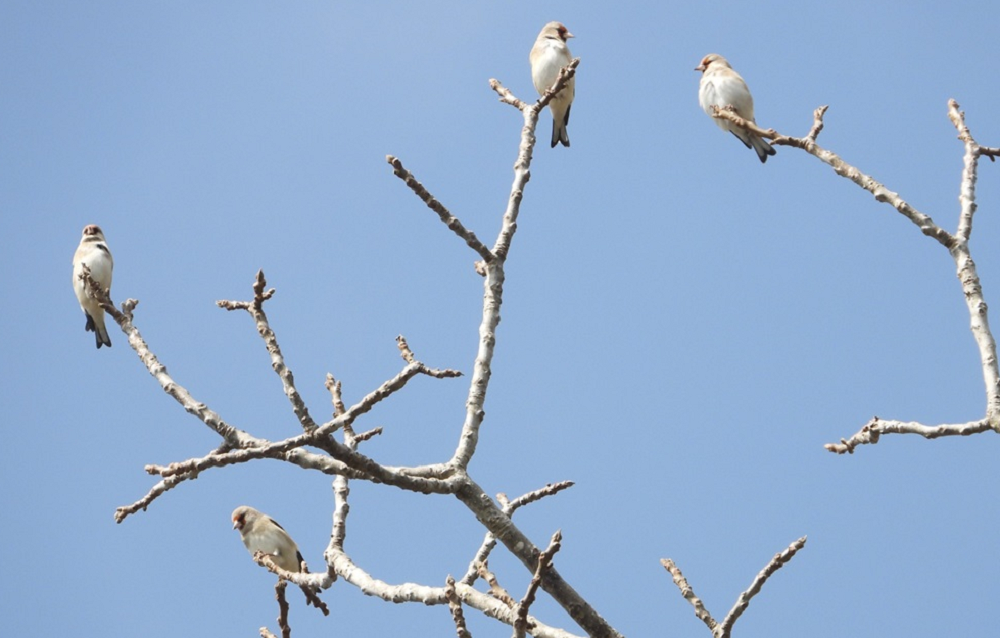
710	59
241	516
93	230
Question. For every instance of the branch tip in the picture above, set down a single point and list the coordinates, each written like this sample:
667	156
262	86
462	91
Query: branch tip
450	220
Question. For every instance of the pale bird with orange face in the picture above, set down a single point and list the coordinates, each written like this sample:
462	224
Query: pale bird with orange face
723	87
261	533
549	55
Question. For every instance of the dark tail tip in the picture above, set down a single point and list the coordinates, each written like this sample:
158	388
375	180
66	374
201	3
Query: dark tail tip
763	149
559	135
102	340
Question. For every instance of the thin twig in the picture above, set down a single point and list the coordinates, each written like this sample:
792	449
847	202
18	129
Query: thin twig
882	194
544	566
279	594
416	593
452	222
869	434
455	606
335	395
725	628
256	310
310	584
817	126
232	435
347	461
506	96
124	511
970	162
688	593
496	590
536	495
509	507
743	600
521	547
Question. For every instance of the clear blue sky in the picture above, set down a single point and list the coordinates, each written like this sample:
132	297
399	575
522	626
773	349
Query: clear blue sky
683	327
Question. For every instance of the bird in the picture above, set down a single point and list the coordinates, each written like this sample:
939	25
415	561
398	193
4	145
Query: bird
93	252
723	87
549	55
261	533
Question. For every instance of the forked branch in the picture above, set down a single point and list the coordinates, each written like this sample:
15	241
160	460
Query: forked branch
724	629
957	245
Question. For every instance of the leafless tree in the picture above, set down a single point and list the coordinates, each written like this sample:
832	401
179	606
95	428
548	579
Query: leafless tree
339	442
956	243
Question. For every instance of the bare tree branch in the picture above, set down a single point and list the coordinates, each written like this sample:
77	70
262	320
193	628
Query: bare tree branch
518	544
967	189
496	590
725	628
124	511
341	563
871	431
493	271
449	220
521	173
232	435
336	398
537	495
509	507
256	310
565	74
346	462
364	436
779	560
688	593
979	323
455	606
279	594
352	463
506	96
842	168
958	248
521	624
310	584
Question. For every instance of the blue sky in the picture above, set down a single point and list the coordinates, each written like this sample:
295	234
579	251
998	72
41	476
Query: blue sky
683	328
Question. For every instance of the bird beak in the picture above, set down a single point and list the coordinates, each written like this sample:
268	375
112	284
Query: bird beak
236	524
700	67
569	35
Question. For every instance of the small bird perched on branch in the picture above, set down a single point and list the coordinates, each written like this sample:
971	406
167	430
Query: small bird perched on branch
723	87
93	252
261	533
549	55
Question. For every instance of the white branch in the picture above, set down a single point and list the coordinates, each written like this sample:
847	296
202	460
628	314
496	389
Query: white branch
958	247
724	629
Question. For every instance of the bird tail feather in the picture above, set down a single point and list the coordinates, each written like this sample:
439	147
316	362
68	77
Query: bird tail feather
762	148
559	134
